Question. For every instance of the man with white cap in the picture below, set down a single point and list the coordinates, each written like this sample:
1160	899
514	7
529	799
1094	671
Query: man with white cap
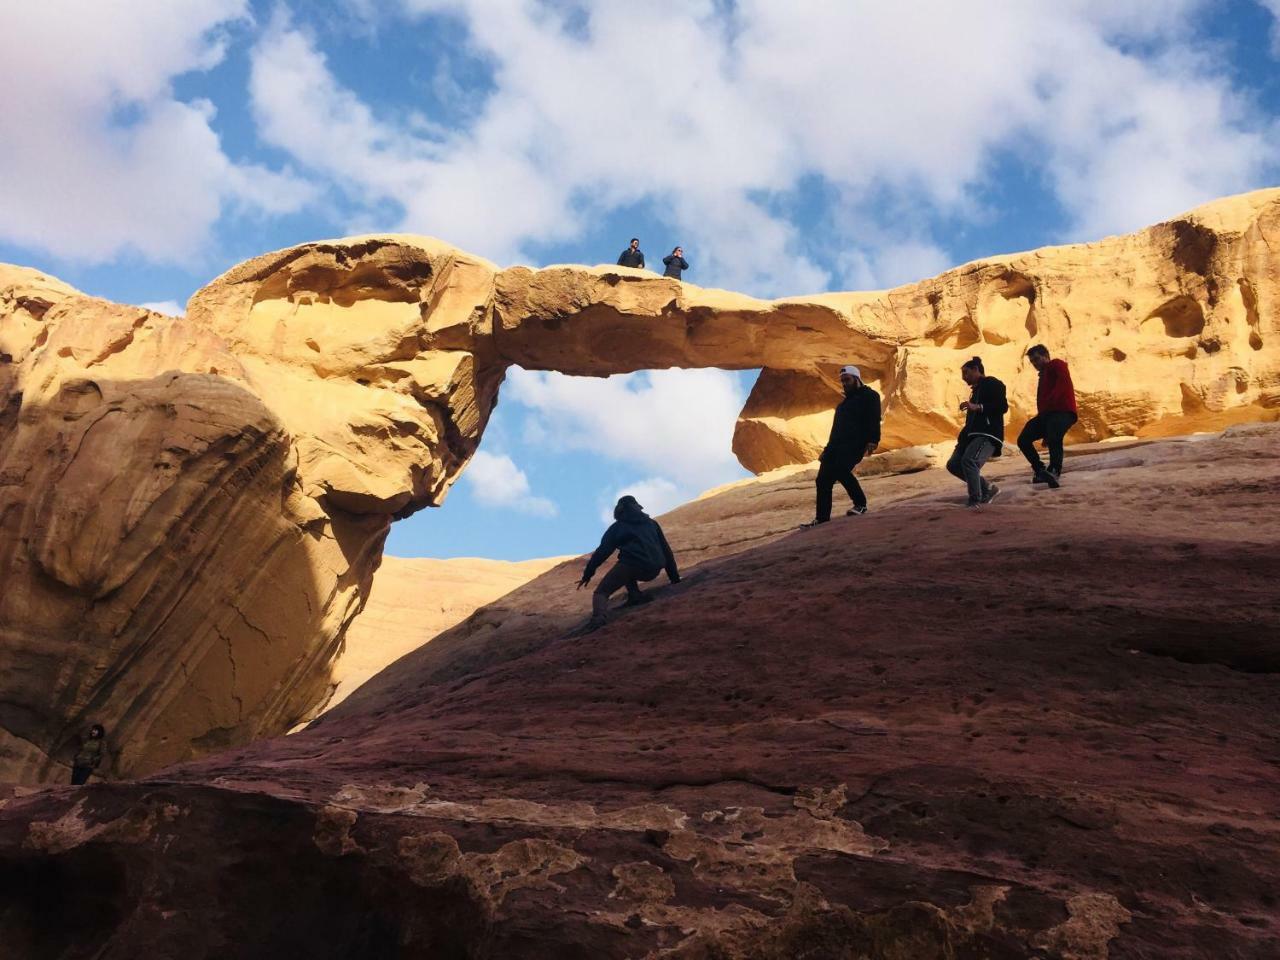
855	433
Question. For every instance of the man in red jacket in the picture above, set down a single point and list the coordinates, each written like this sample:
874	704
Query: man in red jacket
1056	413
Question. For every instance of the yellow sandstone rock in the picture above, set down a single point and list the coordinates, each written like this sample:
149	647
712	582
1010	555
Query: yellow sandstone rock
192	509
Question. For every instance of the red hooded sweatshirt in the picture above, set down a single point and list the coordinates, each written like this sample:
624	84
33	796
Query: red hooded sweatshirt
1056	393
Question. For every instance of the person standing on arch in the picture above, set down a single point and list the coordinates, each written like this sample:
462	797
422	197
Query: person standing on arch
632	256
676	263
982	436
855	433
1055	415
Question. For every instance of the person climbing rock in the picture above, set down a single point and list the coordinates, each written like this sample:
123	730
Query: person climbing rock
1055	415
855	433
676	263
89	757
632	256
643	553
982	436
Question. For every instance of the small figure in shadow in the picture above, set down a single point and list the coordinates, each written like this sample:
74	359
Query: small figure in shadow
643	553
89	757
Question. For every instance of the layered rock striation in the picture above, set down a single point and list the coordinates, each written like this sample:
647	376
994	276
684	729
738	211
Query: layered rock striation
192	509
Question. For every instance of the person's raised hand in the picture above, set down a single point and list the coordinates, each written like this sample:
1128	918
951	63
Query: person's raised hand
584	581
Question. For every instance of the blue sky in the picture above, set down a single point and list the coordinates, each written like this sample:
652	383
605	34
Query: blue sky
789	148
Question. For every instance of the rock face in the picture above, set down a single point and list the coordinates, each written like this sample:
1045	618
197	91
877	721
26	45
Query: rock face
1044	730
193	508
413	600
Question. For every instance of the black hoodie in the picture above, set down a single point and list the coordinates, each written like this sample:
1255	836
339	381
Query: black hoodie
640	544
989	421
856	424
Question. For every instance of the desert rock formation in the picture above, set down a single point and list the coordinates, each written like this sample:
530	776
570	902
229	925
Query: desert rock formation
413	600
193	508
820	744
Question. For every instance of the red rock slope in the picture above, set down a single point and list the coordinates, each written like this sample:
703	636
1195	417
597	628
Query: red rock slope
1045	730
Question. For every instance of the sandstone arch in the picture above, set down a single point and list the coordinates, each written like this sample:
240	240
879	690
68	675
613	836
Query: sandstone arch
260	447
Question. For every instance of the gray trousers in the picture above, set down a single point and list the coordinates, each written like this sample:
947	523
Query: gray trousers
967	461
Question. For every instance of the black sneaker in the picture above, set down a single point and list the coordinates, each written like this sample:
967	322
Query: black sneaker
855	511
1044	476
638	600
973	505
811	524
991	493
1055	472
1040	476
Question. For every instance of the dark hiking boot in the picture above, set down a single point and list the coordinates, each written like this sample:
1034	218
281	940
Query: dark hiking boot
1044	476
855	511
811	524
638	600
1055	472
1040	476
990	493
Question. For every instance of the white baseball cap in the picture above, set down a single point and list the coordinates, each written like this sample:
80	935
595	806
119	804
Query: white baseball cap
851	371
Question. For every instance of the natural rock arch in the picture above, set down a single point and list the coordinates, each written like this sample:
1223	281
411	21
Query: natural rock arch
252	454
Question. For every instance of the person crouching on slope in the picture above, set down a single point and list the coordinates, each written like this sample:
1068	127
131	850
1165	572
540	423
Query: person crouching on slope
643	553
1055	415
855	433
982	436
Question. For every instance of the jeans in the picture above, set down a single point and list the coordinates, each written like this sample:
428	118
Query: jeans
1051	428
622	575
829	474
967	461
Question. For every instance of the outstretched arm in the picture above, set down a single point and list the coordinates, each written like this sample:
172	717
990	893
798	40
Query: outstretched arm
607	546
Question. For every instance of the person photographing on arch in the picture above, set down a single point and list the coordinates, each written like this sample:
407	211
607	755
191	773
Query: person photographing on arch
1055	415
643	553
855	433
982	435
675	263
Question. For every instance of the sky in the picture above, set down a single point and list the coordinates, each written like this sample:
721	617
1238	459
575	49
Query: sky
789	148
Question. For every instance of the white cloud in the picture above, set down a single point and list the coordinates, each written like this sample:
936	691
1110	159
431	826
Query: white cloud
710	112
98	155
171	307
675	424
656	495
496	481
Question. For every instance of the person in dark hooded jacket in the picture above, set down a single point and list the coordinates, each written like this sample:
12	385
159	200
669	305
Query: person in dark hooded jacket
855	433
643	553
982	436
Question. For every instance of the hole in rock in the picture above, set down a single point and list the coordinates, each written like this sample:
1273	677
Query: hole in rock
1119	356
1180	317
559	450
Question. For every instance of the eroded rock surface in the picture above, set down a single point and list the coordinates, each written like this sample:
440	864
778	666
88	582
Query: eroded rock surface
192	509
1044	730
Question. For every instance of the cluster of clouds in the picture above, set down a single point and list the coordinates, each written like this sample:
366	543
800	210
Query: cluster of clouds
99	157
725	118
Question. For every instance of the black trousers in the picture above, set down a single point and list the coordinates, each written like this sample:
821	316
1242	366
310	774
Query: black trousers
80	775
829	474
1051	428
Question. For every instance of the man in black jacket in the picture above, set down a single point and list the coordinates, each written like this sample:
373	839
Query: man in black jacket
855	433
632	256
982	436
642	554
